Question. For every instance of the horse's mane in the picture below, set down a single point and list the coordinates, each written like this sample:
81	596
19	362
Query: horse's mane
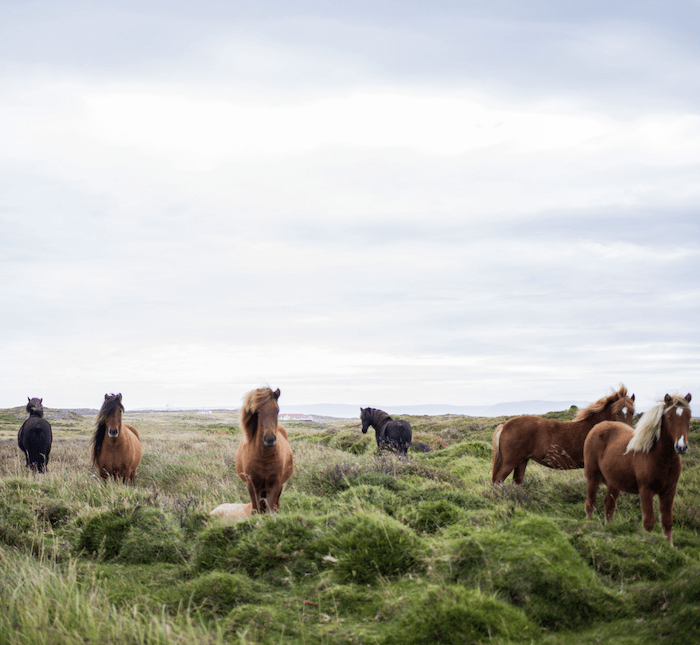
602	403
377	416
35	407
648	428
111	403
252	402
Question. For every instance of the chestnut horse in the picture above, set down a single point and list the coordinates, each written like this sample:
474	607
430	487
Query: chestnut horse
552	443
264	459
644	461
116	446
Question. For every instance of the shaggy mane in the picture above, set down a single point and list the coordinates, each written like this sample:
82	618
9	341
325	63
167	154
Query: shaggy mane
375	416
35	407
648	429
252	403
619	398
111	403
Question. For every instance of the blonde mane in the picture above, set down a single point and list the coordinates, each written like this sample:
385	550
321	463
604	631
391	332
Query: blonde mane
602	403
648	429
252	403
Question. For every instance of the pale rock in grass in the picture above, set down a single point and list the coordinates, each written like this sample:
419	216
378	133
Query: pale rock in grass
237	512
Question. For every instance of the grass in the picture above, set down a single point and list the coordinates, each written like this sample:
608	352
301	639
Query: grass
367	548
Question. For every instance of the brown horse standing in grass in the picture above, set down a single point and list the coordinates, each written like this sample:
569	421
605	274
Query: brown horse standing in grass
552	443
116	446
264	459
644	461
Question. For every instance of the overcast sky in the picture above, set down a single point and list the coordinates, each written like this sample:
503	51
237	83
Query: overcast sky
381	203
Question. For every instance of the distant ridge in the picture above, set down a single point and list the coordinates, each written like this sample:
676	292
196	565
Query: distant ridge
514	408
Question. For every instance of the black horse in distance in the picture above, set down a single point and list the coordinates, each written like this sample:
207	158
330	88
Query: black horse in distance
391	434
34	437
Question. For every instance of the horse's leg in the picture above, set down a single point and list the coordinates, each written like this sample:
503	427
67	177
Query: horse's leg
273	498
610	502
254	496
519	472
666	507
646	496
593	479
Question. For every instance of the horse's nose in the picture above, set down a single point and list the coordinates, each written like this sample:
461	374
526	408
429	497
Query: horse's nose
681	446
270	441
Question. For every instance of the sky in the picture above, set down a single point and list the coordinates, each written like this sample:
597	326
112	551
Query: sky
374	203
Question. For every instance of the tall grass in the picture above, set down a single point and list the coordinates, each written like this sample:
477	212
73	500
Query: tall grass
367	548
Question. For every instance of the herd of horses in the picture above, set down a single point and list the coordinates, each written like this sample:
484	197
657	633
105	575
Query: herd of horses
643	461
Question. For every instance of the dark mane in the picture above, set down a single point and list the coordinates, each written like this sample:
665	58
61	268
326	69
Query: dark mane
620	398
35	407
112	402
375	416
252	402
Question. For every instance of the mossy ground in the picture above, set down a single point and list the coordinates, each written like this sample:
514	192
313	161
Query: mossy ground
367	547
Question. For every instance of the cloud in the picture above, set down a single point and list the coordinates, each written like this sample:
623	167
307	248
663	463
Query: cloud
426	205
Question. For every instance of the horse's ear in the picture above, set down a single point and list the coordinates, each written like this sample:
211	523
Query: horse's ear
28	399
276	393
106	396
688	397
41	400
632	397
667	399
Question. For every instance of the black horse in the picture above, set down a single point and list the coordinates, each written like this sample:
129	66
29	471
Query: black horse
391	434
34	437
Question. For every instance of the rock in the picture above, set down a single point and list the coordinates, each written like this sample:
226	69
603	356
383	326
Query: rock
235	512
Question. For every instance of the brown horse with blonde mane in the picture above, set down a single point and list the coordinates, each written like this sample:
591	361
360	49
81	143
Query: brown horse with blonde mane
264	459
116	446
552	443
644	462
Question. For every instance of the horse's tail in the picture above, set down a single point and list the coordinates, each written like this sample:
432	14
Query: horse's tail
497	460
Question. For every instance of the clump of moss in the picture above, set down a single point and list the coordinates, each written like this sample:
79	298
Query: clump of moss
444	492
104	533
456	615
135	536
359	600
630	557
533	564
254	624
153	536
371	497
215	593
367	545
259	545
430	516
352	441
55	513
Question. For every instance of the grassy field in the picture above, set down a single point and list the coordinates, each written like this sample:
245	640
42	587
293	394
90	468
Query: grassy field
367	548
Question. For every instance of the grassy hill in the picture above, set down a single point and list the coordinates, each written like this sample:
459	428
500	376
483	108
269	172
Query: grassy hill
367	548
